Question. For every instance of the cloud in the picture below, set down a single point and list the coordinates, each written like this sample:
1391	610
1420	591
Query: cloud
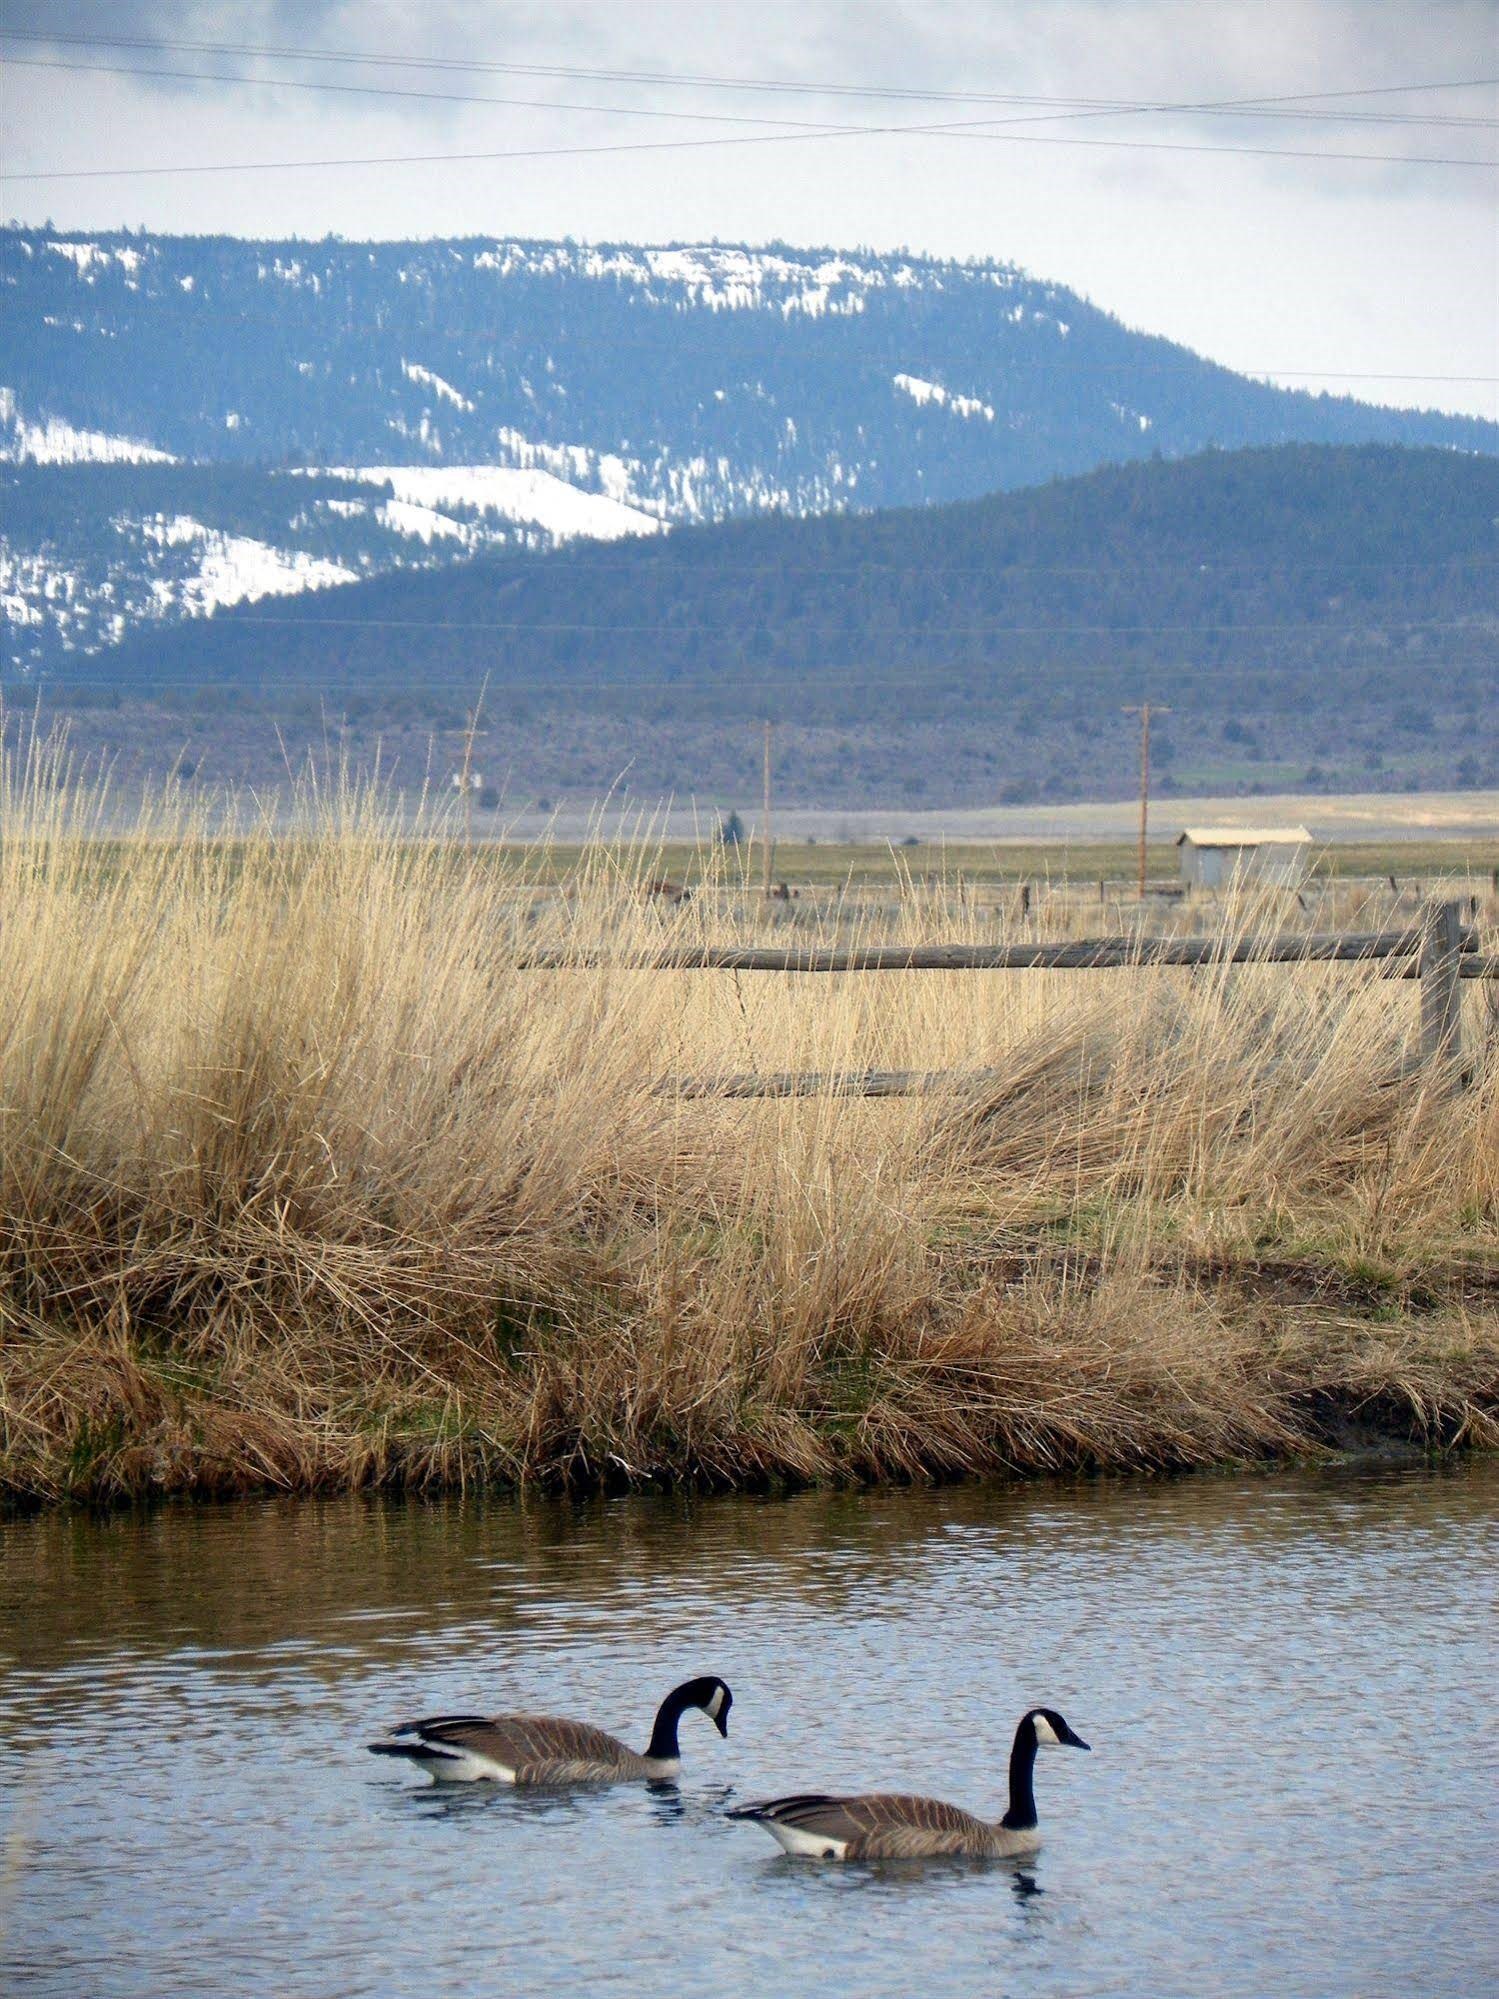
1267	263
1150	52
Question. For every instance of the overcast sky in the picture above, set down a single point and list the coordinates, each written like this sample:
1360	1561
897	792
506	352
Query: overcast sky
1368	268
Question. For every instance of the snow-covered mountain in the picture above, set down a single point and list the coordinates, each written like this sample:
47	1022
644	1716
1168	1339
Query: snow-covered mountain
514	393
90	551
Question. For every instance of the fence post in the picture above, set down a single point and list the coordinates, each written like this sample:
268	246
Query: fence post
1441	993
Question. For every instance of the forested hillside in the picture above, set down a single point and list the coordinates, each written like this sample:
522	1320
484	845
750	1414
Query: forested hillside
698	380
519	394
92	551
1312	615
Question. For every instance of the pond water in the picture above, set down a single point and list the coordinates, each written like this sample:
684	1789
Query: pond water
1288	1681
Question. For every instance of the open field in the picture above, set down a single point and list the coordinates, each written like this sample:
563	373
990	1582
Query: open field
1381	828
308	1182
1416	865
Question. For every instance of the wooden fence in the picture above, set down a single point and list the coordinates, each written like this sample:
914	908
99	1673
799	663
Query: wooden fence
1439	951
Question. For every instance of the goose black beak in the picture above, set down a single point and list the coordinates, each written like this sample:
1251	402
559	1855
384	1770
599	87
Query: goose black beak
721	1721
1075	1741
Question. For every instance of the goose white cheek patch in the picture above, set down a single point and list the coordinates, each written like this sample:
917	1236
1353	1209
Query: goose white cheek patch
715	1706
1046	1734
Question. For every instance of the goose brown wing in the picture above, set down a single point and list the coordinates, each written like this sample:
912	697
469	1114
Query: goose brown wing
883	1825
527	1743
909	1828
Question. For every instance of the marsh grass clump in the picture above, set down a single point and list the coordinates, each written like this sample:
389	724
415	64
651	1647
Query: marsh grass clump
311	1177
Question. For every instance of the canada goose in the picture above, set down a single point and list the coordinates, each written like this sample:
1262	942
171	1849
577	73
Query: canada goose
546	1749
882	1826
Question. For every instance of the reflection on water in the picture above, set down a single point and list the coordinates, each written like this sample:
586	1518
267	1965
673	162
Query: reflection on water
1288	1683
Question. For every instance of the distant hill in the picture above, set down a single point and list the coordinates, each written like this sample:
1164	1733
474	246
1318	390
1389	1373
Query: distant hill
92	551
549	389
1312	615
695	379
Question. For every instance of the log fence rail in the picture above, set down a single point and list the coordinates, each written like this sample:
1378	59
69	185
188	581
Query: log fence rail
1440	951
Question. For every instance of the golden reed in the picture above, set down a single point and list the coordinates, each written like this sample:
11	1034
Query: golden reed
307	1182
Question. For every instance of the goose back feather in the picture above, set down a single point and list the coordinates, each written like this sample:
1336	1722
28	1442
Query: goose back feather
551	1749
515	1749
891	1825
882	1826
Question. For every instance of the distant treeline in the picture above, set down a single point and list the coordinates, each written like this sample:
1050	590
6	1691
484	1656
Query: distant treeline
68	506
1295	580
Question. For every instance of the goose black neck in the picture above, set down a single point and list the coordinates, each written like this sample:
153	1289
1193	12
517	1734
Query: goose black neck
663	1741
1022	1813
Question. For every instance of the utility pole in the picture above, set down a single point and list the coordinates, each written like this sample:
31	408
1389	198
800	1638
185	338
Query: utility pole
471	729
765	817
1145	710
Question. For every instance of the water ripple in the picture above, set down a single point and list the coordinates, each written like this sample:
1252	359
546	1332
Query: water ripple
1288	1682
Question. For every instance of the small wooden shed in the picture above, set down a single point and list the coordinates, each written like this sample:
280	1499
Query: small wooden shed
1211	856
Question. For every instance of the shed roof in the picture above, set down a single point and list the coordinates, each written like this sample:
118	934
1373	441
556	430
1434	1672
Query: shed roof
1245	836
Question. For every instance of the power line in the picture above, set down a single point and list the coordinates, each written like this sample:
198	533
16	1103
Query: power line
962	130
495	339
1271	570
427	96
656	559
691	145
1263	108
1258	373
967	678
936	572
510	567
249	619
698	81
1334	374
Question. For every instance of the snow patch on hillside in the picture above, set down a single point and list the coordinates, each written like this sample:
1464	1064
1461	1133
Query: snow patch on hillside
291	271
423	523
234	568
723	277
164	530
1128	416
518	493
571	462
55	442
39	595
424	377
88	258
25	582
923	392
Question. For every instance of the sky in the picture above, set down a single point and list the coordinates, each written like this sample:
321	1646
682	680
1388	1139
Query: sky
1242	233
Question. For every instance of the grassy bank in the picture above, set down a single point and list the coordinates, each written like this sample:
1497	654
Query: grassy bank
306	1182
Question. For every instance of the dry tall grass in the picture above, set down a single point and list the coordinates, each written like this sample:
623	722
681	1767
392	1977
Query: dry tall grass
306	1181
